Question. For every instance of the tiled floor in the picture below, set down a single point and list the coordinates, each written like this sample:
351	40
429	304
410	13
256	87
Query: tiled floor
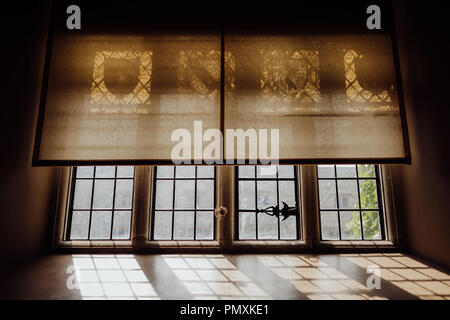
343	276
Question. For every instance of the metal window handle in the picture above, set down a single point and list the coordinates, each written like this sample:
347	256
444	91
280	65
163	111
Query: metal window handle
285	212
220	212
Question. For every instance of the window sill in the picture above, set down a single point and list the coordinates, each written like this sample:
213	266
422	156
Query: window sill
265	245
358	244
181	244
144	246
242	246
95	244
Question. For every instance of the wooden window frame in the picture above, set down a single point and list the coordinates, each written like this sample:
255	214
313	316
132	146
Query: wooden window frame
380	208
173	210
225	229
275	179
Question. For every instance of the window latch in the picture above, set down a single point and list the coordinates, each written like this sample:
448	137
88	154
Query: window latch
220	212
285	212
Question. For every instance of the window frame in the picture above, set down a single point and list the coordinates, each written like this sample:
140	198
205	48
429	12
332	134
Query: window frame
91	209
276	179
360	210
173	210
140	241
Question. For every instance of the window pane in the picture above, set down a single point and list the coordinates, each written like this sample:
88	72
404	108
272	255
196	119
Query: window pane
85	172
327	194
103	194
266	171
350	225
267	194
165	171
246	194
124	194
101	225
346	171
185	172
184	194
205	225
287	193
164	194
80	225
288	228
371	225
286	172
366	171
162	230
125	172
326	171
82	194
247	225
205	172
348	194
105	172
267	227
246	172
183	225
329	225
205	194
122	225
368	194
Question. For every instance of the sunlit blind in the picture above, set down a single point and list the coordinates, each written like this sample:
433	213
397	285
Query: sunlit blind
332	97
121	97
118	92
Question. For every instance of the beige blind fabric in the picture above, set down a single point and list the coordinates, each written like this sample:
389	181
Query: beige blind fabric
332	97
114	97
120	98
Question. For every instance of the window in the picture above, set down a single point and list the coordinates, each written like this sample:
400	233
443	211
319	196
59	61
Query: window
183	203
349	202
265	203
261	192
102	203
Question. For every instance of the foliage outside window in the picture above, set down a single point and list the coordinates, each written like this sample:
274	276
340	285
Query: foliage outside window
349	202
184	198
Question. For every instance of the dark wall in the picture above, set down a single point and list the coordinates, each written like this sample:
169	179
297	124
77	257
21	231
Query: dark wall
423	189
25	192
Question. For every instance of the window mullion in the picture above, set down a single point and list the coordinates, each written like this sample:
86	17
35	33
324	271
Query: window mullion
309	204
360	204
140	222
227	226
92	200
195	204
387	196
278	202
114	204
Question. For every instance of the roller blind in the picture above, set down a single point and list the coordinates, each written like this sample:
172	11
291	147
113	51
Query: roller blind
114	97
332	97
118	94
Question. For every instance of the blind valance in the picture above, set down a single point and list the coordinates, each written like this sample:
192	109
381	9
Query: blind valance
219	94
